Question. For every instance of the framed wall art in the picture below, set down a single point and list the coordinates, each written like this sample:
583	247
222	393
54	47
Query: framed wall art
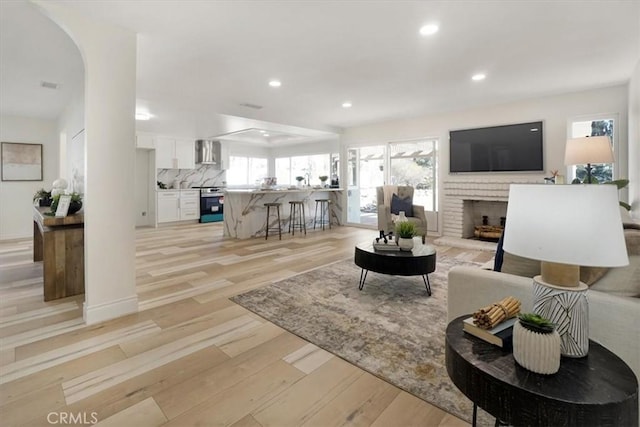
21	162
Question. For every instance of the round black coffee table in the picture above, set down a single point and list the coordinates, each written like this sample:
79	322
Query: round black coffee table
596	390
419	262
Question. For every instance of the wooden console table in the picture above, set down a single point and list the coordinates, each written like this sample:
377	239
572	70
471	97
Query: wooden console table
59	243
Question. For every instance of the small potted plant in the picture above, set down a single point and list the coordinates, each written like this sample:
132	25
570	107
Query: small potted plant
405	231
43	197
323	180
299	179
536	344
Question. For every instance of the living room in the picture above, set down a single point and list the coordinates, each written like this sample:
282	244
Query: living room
113	289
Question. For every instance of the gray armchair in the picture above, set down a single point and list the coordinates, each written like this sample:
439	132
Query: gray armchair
385	216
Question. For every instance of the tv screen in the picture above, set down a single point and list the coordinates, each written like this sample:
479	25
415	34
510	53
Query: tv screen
510	148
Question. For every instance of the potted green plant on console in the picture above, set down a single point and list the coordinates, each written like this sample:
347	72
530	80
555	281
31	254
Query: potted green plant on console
405	231
74	206
43	197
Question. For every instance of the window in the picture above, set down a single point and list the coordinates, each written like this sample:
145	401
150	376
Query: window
309	167
246	170
599	126
414	163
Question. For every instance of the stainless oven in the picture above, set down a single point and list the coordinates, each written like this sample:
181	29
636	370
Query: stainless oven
211	204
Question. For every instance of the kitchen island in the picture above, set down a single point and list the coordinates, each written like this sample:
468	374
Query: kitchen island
245	215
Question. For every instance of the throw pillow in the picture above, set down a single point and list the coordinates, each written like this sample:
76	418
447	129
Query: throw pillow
525	267
398	204
591	275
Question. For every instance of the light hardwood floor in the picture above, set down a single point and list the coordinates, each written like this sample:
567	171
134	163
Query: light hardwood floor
190	356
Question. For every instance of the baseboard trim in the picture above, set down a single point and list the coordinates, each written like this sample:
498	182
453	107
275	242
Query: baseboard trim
110	310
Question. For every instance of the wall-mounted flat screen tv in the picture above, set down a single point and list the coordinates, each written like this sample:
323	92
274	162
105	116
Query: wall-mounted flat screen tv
510	148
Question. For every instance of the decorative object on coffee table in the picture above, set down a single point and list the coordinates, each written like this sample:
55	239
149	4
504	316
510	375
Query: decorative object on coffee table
565	227
536	344
405	231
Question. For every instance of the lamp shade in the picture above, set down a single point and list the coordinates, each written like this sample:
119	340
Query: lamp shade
569	224
588	149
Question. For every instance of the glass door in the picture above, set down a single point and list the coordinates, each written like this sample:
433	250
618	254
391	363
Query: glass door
415	163
365	172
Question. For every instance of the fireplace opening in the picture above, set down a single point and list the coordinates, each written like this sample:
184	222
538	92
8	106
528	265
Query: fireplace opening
483	219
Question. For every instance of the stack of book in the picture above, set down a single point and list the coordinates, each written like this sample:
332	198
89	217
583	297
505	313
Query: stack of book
380	245
500	335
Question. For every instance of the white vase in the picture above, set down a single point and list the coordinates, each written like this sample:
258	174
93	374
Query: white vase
537	352
406	244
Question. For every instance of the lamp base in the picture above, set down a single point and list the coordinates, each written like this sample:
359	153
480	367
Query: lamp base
568	309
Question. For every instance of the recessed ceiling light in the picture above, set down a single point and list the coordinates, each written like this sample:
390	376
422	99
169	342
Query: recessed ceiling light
142	115
265	134
429	29
478	77
275	83
346	104
50	85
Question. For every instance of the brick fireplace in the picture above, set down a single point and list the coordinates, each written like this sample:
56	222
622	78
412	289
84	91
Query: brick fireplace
466	201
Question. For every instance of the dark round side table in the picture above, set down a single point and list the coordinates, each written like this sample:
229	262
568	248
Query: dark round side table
596	390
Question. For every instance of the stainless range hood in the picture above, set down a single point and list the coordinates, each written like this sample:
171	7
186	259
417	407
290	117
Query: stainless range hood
207	152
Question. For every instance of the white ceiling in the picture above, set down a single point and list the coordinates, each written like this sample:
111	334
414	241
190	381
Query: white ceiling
198	61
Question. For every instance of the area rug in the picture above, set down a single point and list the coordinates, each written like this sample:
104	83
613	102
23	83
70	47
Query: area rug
391	328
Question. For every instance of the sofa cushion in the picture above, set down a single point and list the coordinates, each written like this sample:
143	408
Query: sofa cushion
398	204
621	281
632	240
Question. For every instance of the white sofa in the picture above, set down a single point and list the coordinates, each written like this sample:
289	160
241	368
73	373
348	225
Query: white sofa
614	321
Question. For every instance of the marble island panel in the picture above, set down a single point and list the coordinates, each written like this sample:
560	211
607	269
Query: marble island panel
245	215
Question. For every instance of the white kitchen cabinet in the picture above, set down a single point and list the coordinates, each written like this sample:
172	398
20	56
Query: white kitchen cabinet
175	153
145	141
185	153
189	204
168	206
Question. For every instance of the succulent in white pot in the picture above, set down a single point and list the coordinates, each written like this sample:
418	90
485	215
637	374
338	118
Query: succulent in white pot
405	231
536	344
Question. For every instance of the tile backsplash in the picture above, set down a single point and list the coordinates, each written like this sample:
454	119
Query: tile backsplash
203	176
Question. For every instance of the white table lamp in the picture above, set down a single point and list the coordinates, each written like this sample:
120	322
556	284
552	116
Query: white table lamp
588	150
565	227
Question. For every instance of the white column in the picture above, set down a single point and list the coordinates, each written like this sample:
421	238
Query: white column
109	55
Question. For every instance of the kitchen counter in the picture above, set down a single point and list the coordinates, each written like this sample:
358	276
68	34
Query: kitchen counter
279	190
245	215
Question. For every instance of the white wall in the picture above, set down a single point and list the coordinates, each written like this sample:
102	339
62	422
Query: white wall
634	142
16	197
109	55
555	111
